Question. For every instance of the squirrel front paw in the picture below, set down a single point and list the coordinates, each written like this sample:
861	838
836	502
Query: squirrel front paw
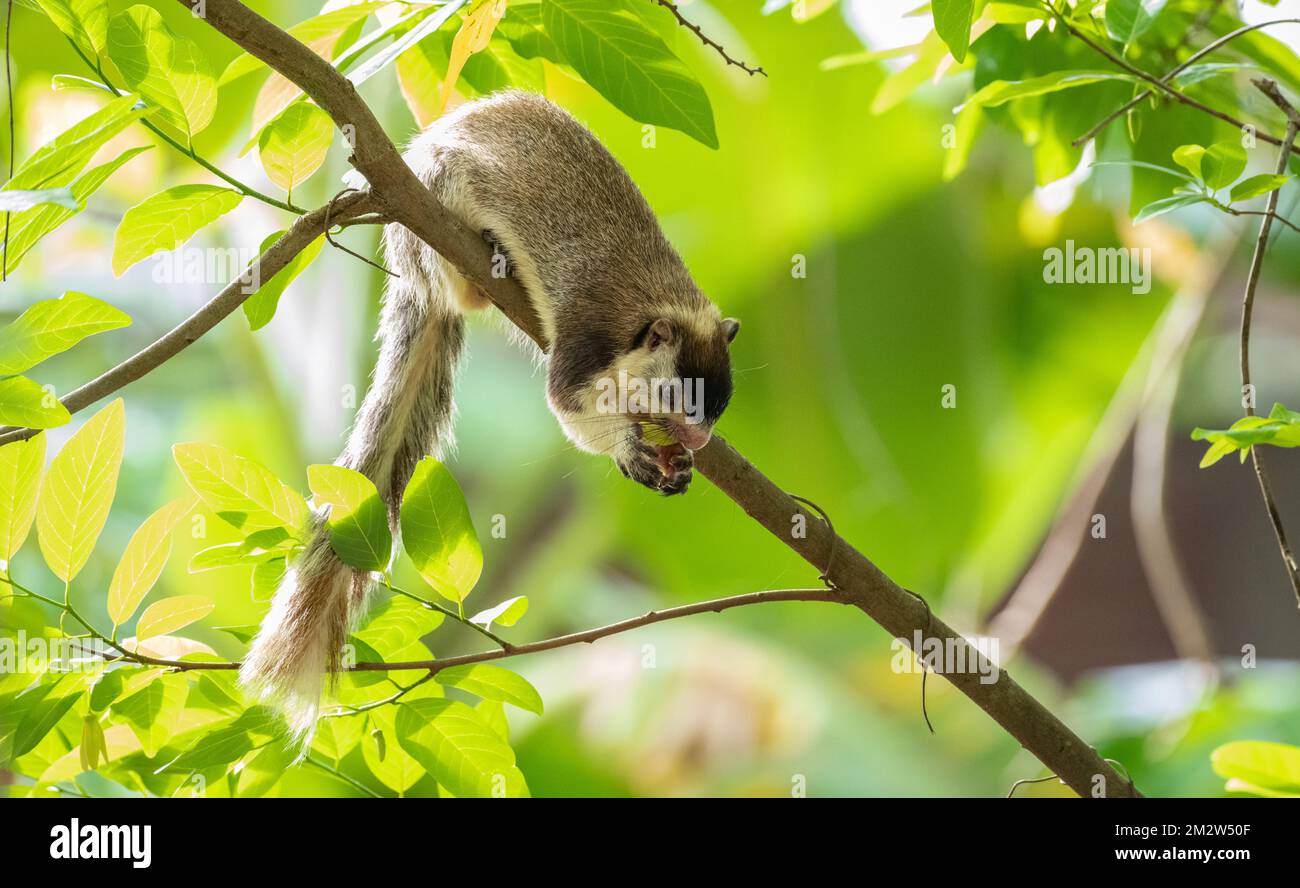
664	469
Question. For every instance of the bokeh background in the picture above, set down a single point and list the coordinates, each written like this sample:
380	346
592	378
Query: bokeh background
913	282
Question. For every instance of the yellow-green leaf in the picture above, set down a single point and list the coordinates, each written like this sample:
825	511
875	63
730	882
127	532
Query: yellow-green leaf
143	560
242	492
78	492
492	683
85	22
474	35
294	144
167	220
154	712
27	404
170	614
20	482
168	71
54	325
438	533
358	518
260	307
461	751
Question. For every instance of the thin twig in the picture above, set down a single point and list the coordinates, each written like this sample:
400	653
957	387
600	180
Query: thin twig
1173	74
350	781
1268	88
706	39
1156	82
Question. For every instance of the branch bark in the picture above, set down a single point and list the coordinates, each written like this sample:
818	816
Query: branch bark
857	580
1270	89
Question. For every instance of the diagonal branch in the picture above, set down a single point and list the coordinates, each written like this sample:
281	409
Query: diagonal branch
706	39
856	579
1268	88
303	231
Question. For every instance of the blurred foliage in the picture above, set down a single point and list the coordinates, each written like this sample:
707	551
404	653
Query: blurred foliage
878	220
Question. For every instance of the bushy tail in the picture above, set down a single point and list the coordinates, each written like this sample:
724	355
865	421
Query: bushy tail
406	415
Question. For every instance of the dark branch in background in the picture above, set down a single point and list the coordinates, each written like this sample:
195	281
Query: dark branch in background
706	39
1159	84
403	198
1269	89
1168	78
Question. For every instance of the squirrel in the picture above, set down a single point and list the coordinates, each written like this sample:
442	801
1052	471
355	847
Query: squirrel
638	370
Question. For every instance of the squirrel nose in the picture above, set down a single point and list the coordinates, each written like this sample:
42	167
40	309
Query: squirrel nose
692	437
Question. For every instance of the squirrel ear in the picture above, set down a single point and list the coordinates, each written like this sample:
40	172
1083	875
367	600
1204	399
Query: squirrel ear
659	333
730	327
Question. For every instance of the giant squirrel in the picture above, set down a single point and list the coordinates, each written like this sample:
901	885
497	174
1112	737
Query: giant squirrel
614	299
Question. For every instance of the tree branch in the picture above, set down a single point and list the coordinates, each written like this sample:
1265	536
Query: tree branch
706	39
1268	88
857	580
304	230
1173	74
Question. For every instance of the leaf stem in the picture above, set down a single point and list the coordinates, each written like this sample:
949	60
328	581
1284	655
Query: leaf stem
458	617
188	150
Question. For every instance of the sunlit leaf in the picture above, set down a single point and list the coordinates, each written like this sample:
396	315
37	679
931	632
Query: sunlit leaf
78	491
168	71
358	518
1274	766
54	325
261	306
437	531
1002	91
507	613
1254	186
452	742
952	19
492	683
154	712
168	219
28	404
144	558
474	34
17	201
85	22
630	66
294	144
241	491
21	463
166	616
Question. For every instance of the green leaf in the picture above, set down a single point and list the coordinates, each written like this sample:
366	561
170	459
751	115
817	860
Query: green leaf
54	325
168	71
463	753
1148	166
107	688
492	683
144	558
168	219
1254	186
385	758
325	34
952	19
1001	91
154	713
294	144
260	307
46	709
78	492
1217	166
1167	205
358	518
85	22
1274	766
242	492
507	613
398	622
229	555
630	66
166	616
383	59
21	463
58	161
438	533
254	727
1127	20
28	227
27	404
17	201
